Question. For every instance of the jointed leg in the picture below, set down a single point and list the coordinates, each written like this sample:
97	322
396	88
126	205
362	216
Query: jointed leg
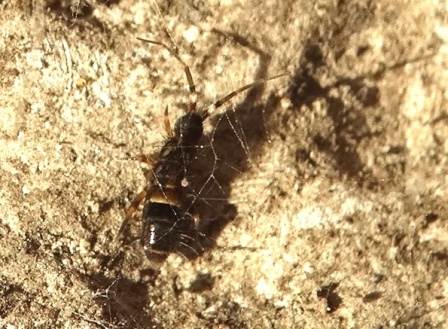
192	103
131	210
167	124
144	159
234	93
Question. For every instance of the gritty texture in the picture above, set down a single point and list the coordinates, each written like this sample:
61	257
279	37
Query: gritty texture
322	193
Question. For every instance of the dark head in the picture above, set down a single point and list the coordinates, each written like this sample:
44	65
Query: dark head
188	128
166	229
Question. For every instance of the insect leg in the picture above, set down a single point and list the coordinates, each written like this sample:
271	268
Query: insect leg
167	124
131	210
173	52
234	93
144	159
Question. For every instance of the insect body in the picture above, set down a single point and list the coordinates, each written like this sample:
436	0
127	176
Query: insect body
169	220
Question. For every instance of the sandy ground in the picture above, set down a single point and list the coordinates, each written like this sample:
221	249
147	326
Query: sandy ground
322	193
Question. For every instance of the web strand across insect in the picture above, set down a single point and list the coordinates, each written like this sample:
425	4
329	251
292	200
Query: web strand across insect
169	217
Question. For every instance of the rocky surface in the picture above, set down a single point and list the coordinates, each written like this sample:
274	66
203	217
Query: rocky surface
322	194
